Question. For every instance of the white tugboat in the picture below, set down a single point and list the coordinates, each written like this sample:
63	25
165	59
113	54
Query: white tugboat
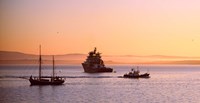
94	63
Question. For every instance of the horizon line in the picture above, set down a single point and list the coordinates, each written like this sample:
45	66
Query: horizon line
108	55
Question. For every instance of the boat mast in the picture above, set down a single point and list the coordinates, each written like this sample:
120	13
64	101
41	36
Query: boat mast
40	63
53	67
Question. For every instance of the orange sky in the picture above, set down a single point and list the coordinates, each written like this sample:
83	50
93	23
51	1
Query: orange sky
117	27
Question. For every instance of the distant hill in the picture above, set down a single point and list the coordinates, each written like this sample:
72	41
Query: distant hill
9	57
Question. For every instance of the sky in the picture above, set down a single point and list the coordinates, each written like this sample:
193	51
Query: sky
115	27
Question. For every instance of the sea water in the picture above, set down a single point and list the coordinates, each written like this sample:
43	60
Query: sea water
167	84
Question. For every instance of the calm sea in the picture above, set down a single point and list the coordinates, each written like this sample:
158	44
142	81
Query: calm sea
168	84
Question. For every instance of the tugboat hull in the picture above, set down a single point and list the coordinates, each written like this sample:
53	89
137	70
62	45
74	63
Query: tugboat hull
88	69
146	75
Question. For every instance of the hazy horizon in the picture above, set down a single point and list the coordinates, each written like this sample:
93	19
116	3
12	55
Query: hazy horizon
7	57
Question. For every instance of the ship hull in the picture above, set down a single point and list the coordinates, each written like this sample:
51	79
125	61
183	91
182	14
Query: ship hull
46	82
88	69
146	75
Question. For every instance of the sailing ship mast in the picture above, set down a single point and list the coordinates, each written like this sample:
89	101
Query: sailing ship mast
40	63
53	68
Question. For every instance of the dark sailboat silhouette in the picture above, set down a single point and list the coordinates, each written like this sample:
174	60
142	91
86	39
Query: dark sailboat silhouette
94	63
46	80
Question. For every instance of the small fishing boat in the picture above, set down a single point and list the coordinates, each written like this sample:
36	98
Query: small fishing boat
46	80
136	74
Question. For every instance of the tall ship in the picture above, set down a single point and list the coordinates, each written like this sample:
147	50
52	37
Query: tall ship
94	63
46	80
